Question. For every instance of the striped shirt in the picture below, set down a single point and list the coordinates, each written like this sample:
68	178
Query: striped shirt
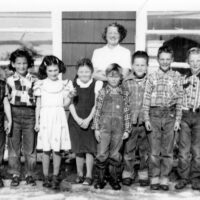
99	104
163	89
136	88
191	95
20	89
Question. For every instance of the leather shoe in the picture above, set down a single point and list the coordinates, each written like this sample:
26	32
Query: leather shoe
155	186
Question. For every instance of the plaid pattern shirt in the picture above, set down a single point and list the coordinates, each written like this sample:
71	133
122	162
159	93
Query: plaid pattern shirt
135	87
20	89
99	104
3	93
163	89
191	95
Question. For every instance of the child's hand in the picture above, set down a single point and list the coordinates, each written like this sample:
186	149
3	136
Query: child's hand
72	93
148	125
177	126
37	127
125	136
85	123
8	126
79	121
98	136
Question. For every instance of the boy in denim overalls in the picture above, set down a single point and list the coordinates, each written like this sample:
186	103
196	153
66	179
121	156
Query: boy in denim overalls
112	125
162	113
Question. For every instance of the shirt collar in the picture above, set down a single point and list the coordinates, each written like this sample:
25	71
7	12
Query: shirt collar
17	76
161	72
108	89
133	76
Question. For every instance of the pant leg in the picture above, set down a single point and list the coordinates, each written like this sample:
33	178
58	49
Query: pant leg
143	147
184	144
155	149
2	138
116	139
195	147
14	142
29	140
104	145
129	154
168	137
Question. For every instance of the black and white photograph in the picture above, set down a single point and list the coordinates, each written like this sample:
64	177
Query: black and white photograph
100	100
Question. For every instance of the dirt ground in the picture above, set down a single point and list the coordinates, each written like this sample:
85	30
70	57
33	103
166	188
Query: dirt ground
78	191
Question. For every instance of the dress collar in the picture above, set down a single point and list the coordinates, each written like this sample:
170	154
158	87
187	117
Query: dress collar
84	85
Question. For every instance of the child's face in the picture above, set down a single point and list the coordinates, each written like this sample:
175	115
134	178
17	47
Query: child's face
113	79
194	62
165	60
84	73
140	66
112	36
21	65
52	72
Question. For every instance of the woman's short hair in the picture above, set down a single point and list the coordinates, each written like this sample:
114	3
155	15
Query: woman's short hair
122	31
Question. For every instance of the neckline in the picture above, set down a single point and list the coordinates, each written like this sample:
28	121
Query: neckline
84	85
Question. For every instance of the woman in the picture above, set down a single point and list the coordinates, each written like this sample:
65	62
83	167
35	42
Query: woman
112	52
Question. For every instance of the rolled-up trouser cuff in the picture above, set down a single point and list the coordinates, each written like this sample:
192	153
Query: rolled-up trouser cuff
127	174
155	180
143	174
164	180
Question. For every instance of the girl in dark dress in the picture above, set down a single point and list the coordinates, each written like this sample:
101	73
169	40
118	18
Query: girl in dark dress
81	114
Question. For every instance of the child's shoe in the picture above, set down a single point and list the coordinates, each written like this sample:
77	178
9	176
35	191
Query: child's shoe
88	181
79	179
164	187
30	181
155	186
15	181
127	181
114	180
144	183
196	184
55	184
100	175
181	184
46	182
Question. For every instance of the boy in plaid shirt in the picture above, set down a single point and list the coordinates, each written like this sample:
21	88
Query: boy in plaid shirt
135	84
189	136
20	93
112	125
162	113
4	109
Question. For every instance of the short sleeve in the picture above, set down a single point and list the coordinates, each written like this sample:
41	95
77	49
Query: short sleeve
37	88
98	87
69	90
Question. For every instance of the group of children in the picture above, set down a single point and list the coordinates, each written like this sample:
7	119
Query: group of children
108	122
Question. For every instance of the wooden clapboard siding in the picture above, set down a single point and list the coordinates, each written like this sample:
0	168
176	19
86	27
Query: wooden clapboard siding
82	33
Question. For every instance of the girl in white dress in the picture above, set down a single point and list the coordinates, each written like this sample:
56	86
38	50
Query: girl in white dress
53	95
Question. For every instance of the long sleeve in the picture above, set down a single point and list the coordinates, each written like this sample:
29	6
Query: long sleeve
127	114
147	98
179	103
98	109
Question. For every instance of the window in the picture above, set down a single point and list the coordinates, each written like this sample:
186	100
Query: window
180	30
31	30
